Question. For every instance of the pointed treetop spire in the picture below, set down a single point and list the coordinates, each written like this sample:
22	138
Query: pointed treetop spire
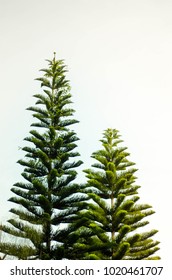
54	56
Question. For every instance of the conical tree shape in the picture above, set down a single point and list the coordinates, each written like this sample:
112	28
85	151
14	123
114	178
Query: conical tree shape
114	217
48	199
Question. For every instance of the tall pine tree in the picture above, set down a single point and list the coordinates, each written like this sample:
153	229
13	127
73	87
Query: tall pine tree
112	225
48	199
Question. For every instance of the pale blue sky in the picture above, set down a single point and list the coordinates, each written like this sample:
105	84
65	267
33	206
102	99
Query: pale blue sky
120	65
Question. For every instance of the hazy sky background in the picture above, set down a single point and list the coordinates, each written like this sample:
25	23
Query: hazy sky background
119	57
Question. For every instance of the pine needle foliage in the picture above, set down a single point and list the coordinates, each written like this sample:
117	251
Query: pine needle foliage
56	218
48	199
111	229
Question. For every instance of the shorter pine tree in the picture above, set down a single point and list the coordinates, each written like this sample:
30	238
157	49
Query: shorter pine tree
110	226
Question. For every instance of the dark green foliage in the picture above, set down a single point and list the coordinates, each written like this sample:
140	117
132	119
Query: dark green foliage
54	217
48	199
113	214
